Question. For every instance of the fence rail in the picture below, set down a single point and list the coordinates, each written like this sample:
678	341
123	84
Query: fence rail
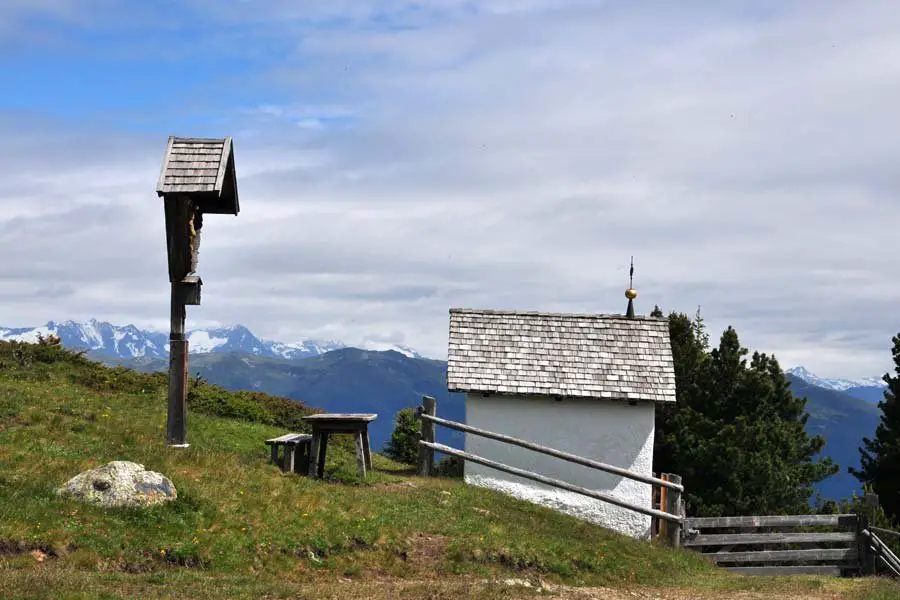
674	513
847	520
552	482
593	464
880	550
886	532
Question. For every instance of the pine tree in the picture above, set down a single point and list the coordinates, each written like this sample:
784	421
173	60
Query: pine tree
779	470
736	434
404	443
673	422
880	457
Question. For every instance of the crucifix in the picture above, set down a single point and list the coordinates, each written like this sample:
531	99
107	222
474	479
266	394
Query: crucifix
197	178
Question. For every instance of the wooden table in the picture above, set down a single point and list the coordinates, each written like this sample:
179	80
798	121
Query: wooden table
324	425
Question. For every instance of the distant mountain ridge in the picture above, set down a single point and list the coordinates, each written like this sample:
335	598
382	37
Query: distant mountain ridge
844	420
105	340
841	385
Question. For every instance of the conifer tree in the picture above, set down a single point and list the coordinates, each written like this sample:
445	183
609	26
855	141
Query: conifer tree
880	457
736	434
404	443
674	422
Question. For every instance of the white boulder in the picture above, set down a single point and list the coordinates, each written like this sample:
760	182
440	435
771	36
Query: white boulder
120	484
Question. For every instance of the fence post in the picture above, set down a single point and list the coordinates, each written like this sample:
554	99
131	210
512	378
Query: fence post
662	527
673	507
865	566
426	434
870	503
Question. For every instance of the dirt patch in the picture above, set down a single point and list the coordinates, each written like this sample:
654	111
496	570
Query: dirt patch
150	561
425	550
398	486
39	551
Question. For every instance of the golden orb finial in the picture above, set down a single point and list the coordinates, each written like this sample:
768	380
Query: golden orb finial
630	293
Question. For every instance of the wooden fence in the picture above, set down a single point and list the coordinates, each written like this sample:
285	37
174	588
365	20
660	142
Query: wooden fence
758	545
879	554
781	545
844	544
670	511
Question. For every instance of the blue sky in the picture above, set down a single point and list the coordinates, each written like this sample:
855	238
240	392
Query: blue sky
396	159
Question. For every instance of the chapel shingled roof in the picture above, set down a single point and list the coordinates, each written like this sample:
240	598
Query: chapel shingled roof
590	356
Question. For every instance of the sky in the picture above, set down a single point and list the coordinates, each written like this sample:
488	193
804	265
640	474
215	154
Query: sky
396	159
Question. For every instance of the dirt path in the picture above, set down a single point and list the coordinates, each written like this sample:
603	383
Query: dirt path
56	581
839	589
611	594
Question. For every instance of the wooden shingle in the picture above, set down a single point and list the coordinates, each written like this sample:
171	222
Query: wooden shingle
588	356
202	168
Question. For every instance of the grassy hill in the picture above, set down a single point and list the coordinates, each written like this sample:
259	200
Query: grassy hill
241	529
385	382
342	380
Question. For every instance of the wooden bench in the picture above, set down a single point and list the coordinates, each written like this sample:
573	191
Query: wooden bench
296	451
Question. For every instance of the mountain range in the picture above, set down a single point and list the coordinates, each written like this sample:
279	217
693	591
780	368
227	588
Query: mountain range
843	420
338	378
870	389
107	341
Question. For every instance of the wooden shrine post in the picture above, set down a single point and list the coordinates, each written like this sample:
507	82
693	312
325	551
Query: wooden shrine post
198	177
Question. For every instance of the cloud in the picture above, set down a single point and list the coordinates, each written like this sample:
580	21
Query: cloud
395	162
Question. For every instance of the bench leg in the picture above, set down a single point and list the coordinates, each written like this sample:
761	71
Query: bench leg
289	452
323	447
274	454
301	456
360	454
314	454
366	449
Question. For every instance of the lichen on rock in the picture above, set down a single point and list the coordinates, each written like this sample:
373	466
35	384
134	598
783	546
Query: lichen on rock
120	484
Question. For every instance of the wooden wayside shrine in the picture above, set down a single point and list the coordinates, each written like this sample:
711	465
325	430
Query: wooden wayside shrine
197	177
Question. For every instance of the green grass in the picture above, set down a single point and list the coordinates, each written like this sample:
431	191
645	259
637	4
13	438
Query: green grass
241	528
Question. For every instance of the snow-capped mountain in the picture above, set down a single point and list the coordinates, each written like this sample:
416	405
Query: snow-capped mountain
840	385
128	341
107	339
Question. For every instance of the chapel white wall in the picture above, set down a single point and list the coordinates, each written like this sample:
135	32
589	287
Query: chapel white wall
609	431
